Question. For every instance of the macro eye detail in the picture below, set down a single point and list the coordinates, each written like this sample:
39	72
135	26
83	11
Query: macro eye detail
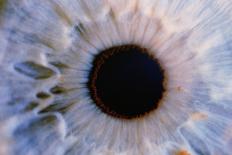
126	82
115	77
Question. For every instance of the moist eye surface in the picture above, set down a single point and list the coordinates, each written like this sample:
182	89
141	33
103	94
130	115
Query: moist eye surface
126	82
107	77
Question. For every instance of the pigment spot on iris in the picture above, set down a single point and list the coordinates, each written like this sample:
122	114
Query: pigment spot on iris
42	95
57	90
183	152
126	81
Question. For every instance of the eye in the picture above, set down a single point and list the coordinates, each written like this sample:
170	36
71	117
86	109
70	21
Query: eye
115	77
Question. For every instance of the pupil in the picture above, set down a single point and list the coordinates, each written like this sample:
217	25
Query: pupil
126	82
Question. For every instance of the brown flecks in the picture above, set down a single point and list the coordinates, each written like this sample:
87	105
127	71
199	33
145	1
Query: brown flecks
198	116
112	14
179	89
182	152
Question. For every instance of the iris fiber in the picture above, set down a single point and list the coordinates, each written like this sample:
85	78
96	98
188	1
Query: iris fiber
126	81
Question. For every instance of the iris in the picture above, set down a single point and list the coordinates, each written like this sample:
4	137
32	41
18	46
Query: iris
89	77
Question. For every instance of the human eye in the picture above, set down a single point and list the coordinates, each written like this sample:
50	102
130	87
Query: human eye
141	77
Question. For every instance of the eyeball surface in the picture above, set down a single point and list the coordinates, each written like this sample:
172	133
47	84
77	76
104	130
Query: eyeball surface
77	77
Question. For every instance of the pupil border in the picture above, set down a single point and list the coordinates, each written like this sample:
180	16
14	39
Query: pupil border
100	59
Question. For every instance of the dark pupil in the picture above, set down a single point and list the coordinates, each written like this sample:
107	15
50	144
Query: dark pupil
126	82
